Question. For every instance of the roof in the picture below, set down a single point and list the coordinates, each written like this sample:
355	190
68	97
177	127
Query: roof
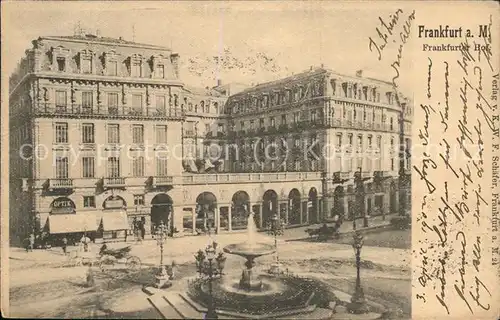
307	74
104	40
202	91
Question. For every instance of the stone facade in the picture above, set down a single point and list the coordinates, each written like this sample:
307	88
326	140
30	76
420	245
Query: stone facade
107	125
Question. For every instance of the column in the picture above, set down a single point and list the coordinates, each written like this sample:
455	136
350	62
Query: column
177	220
217	219
229	217
193	214
301	206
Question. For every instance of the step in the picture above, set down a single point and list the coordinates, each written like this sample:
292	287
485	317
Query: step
162	306
181	306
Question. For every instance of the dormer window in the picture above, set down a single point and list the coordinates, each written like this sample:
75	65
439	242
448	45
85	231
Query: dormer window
61	64
112	68
135	69
60	56
87	65
86	61
160	71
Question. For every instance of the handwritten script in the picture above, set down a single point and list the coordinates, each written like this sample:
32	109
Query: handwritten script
450	175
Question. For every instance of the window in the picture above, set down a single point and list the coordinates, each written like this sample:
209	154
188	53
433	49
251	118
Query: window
161	167
61	133
339	141
113	167
88	201
88	133
220	128
87	101
61	167
297	165
283	119
88	167
161	134
364	115
296	117
369	141
392	164
137	101
61	101
242	125
113	133
137	134
135	69
86	65
297	142
373	116
379	142
350	139
161	104
138	166
313	115
360	143
261	123
207	128
113	103
391	123
272	122
61	64
160	71
112	68
138	199
355	115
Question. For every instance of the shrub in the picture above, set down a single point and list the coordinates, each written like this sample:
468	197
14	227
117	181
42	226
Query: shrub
401	222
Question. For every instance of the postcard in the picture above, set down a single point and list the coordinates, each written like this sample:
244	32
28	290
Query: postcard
250	160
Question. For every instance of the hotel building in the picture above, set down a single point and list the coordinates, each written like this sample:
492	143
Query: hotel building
104	132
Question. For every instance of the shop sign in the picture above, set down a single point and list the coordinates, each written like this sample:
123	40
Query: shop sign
62	205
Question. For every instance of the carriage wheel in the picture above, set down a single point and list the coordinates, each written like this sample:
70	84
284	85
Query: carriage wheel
105	262
133	263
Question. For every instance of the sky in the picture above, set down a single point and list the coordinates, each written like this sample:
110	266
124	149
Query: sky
260	41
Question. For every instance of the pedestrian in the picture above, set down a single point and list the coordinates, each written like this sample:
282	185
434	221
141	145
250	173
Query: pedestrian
31	242
65	245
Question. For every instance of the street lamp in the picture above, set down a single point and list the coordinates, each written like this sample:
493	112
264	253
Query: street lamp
161	234
358	302
206	267
275	227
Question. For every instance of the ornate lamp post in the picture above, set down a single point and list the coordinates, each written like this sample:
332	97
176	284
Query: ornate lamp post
358	302
210	264
161	234
275	227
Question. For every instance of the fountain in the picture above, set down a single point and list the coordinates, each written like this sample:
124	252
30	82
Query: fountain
250	250
251	295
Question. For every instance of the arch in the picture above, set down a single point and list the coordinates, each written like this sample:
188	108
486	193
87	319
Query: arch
312	205
240	207
206	204
338	201
114	202
294	203
269	205
161	208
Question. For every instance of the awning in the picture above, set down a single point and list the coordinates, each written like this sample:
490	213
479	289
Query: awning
68	223
115	220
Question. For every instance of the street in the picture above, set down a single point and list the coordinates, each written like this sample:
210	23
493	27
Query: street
42	285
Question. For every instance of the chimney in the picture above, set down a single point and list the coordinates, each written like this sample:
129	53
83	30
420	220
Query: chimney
219	82
359	73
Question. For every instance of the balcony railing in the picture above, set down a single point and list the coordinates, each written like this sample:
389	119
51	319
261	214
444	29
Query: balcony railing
60	183
103	110
114	182
159	181
277	177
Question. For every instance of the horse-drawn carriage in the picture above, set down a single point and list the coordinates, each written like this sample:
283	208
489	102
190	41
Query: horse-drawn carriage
110	257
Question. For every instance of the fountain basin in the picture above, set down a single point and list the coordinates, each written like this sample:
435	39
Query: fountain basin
250	251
